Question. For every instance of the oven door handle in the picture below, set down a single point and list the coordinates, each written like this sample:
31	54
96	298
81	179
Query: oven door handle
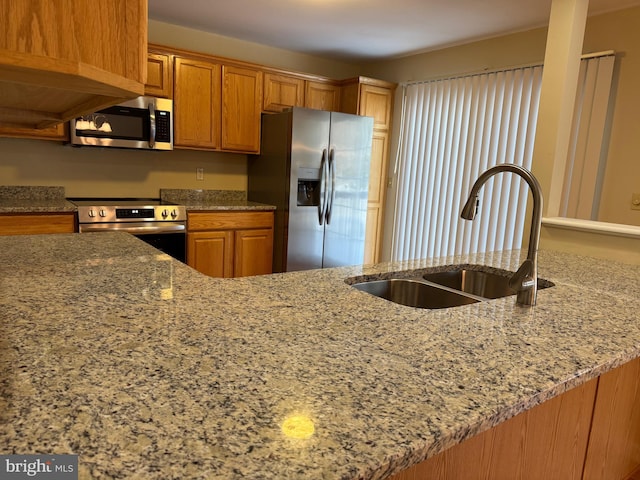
135	228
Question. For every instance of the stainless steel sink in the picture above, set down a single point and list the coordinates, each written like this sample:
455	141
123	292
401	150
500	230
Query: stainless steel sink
456	286
483	284
414	293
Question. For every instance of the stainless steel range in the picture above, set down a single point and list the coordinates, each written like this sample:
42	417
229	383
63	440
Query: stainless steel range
158	223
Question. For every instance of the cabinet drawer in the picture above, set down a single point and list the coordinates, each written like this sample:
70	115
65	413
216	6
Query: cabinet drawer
37	224
228	220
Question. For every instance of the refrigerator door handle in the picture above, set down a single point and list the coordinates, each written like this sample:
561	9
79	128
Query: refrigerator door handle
324	172
331	194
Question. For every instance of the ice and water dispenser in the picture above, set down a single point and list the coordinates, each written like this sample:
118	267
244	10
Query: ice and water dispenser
308	187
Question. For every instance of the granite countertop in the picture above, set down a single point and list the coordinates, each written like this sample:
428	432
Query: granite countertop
147	369
33	199
212	200
19	199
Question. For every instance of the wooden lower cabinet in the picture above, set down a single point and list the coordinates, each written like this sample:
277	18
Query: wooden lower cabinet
33	224
230	244
589	432
614	444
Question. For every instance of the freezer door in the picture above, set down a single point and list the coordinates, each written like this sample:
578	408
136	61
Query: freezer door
309	142
349	159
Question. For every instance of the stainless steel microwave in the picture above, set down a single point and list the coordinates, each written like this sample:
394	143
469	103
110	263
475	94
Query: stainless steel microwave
144	122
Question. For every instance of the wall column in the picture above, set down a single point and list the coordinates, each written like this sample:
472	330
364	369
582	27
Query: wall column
559	82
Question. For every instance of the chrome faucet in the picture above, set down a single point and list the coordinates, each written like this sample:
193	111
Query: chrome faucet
525	280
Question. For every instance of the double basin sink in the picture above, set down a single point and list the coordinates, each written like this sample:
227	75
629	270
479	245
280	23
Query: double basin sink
456	286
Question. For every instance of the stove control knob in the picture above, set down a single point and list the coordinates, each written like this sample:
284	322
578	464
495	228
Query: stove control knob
103	213
91	213
165	213
174	214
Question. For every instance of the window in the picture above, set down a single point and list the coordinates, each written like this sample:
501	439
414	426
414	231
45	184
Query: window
454	129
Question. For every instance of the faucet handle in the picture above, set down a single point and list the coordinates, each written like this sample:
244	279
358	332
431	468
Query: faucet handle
524	278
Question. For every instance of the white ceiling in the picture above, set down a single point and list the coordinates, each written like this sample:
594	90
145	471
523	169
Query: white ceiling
360	30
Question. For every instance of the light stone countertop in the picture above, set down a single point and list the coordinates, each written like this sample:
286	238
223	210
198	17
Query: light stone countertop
212	200
34	199
147	369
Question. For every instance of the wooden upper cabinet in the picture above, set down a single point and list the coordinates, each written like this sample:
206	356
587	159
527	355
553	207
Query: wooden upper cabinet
241	108
377	102
322	96
59	132
282	92
159	75
196	104
61	59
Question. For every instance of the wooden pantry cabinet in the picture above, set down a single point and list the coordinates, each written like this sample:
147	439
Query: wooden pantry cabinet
373	98
230	244
40	223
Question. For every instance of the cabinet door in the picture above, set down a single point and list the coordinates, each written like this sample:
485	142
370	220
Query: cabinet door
253	252
282	92
159	76
322	96
241	108
376	102
377	195
211	253
196	104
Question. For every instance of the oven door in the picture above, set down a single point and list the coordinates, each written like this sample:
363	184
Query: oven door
168	237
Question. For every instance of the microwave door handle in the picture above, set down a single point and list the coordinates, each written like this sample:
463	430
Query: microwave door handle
152	124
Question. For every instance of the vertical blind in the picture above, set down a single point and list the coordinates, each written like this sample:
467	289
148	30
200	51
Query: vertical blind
453	130
587	152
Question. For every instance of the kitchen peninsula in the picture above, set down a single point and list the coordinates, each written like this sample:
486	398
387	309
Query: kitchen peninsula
147	369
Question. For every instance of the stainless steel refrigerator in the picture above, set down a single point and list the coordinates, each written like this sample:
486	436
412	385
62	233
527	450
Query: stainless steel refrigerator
314	167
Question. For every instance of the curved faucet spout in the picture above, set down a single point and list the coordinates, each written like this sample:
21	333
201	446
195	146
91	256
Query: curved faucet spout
525	280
